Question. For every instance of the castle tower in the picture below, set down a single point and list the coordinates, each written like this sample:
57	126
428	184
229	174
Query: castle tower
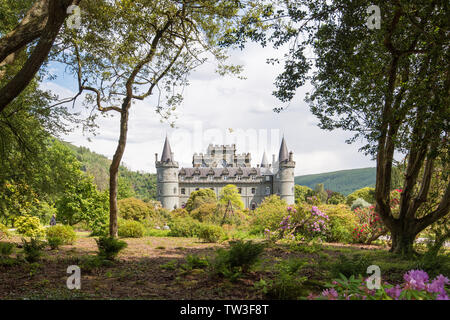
284	180
167	178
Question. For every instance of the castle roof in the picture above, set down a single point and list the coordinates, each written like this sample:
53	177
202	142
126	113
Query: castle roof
167	152
284	154
218	172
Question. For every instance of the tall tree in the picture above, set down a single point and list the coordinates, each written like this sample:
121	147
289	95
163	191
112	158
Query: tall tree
40	21
388	83
129	50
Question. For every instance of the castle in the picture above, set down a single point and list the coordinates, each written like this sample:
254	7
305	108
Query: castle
221	166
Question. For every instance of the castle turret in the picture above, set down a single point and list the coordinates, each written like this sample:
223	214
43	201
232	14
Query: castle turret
264	162
167	178
284	180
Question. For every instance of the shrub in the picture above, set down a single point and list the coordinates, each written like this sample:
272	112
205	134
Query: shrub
301	193
205	212
6	248
370	226
157	233
211	233
4	233
109	248
29	226
184	227
199	197
60	235
311	222
342	222
179	213
359	204
131	229
134	209
349	267
336	198
269	214
367	194
33	249
288	284
238	259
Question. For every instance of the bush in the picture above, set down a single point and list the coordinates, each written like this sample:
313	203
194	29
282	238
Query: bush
60	235
370	226
131	229
310	222
4	233
157	233
199	197
205	212
288	284
184	227
342	222
179	213
355	266
194	262
359	204
134	209
211	233
29	226
109	248
268	215
33	249
6	248
238	259
368	194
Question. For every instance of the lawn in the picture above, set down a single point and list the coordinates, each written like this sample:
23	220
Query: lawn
155	268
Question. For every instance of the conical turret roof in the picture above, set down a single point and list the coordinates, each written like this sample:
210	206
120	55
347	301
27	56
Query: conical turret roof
264	162
284	154
167	152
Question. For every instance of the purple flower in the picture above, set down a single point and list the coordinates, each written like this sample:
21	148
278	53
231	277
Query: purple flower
330	293
416	279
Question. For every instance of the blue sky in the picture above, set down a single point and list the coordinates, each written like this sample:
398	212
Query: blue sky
217	110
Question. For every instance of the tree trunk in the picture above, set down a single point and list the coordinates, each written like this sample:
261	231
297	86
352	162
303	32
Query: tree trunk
114	169
402	241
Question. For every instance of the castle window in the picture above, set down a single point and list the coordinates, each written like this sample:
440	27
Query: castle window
182	178
267	178
240	190
267	190
183	191
225	177
211	178
253	190
239	178
195	178
253	206
253	177
175	190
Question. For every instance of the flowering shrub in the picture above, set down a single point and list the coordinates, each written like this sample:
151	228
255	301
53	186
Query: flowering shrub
315	224
29	226
416	286
370	226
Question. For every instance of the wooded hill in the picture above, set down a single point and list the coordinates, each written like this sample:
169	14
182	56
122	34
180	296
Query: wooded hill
343	181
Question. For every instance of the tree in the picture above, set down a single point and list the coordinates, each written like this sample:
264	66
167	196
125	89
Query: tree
390	85
231	193
127	51
301	193
320	193
200	197
367	193
41	22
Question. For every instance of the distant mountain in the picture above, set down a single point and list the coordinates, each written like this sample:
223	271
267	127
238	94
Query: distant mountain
143	184
344	181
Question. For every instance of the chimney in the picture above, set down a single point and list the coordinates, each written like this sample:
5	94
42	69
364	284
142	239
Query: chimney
156	157
291	156
273	158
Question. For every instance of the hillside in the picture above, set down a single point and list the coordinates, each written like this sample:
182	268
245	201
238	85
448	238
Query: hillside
344	181
97	165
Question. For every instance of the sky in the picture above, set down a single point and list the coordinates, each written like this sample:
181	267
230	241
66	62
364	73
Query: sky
222	110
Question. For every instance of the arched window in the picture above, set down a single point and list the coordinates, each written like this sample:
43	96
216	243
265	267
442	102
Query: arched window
253	206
